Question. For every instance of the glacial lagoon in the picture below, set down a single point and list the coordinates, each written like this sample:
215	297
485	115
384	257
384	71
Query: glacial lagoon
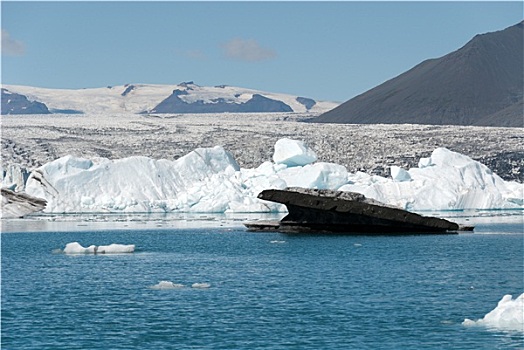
234	289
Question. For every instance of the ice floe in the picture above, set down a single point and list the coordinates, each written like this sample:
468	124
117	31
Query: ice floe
210	180
507	316
172	285
115	249
167	285
77	248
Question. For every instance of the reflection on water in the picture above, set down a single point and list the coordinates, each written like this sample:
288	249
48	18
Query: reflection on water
481	219
87	222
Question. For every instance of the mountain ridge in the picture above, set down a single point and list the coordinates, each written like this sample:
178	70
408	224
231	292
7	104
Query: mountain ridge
481	84
186	97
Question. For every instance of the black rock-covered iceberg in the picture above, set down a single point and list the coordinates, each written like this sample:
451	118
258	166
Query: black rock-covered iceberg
312	210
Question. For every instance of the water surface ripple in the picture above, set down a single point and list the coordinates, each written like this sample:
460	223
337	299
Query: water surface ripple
267	290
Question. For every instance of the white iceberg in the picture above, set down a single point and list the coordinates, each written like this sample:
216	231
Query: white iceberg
319	175
210	180
77	248
115	249
198	181
448	181
399	175
14	177
201	285
293	153
507	316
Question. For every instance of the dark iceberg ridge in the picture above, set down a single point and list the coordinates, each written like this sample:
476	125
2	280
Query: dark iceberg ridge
307	102
478	84
343	212
18	204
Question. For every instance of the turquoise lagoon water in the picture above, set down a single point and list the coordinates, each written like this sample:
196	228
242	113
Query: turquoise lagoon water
267	290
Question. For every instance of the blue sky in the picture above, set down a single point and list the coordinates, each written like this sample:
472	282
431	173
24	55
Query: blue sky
324	50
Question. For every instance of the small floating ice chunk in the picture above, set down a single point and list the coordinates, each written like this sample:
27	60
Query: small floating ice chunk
507	316
167	285
76	248
116	249
200	285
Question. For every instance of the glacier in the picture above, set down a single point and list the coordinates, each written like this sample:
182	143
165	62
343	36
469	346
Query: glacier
209	180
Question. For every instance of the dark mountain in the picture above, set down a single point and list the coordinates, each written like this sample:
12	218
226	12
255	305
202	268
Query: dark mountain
13	103
479	84
258	103
307	102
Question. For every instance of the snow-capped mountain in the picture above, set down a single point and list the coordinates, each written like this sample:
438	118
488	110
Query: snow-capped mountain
149	98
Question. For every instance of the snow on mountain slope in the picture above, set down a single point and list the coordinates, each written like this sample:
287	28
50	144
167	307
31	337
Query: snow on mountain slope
143	98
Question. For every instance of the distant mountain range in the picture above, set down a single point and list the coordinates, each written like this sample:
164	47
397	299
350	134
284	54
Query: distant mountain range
479	84
186	97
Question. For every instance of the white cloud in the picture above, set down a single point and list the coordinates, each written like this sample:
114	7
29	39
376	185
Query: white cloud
10	46
248	50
